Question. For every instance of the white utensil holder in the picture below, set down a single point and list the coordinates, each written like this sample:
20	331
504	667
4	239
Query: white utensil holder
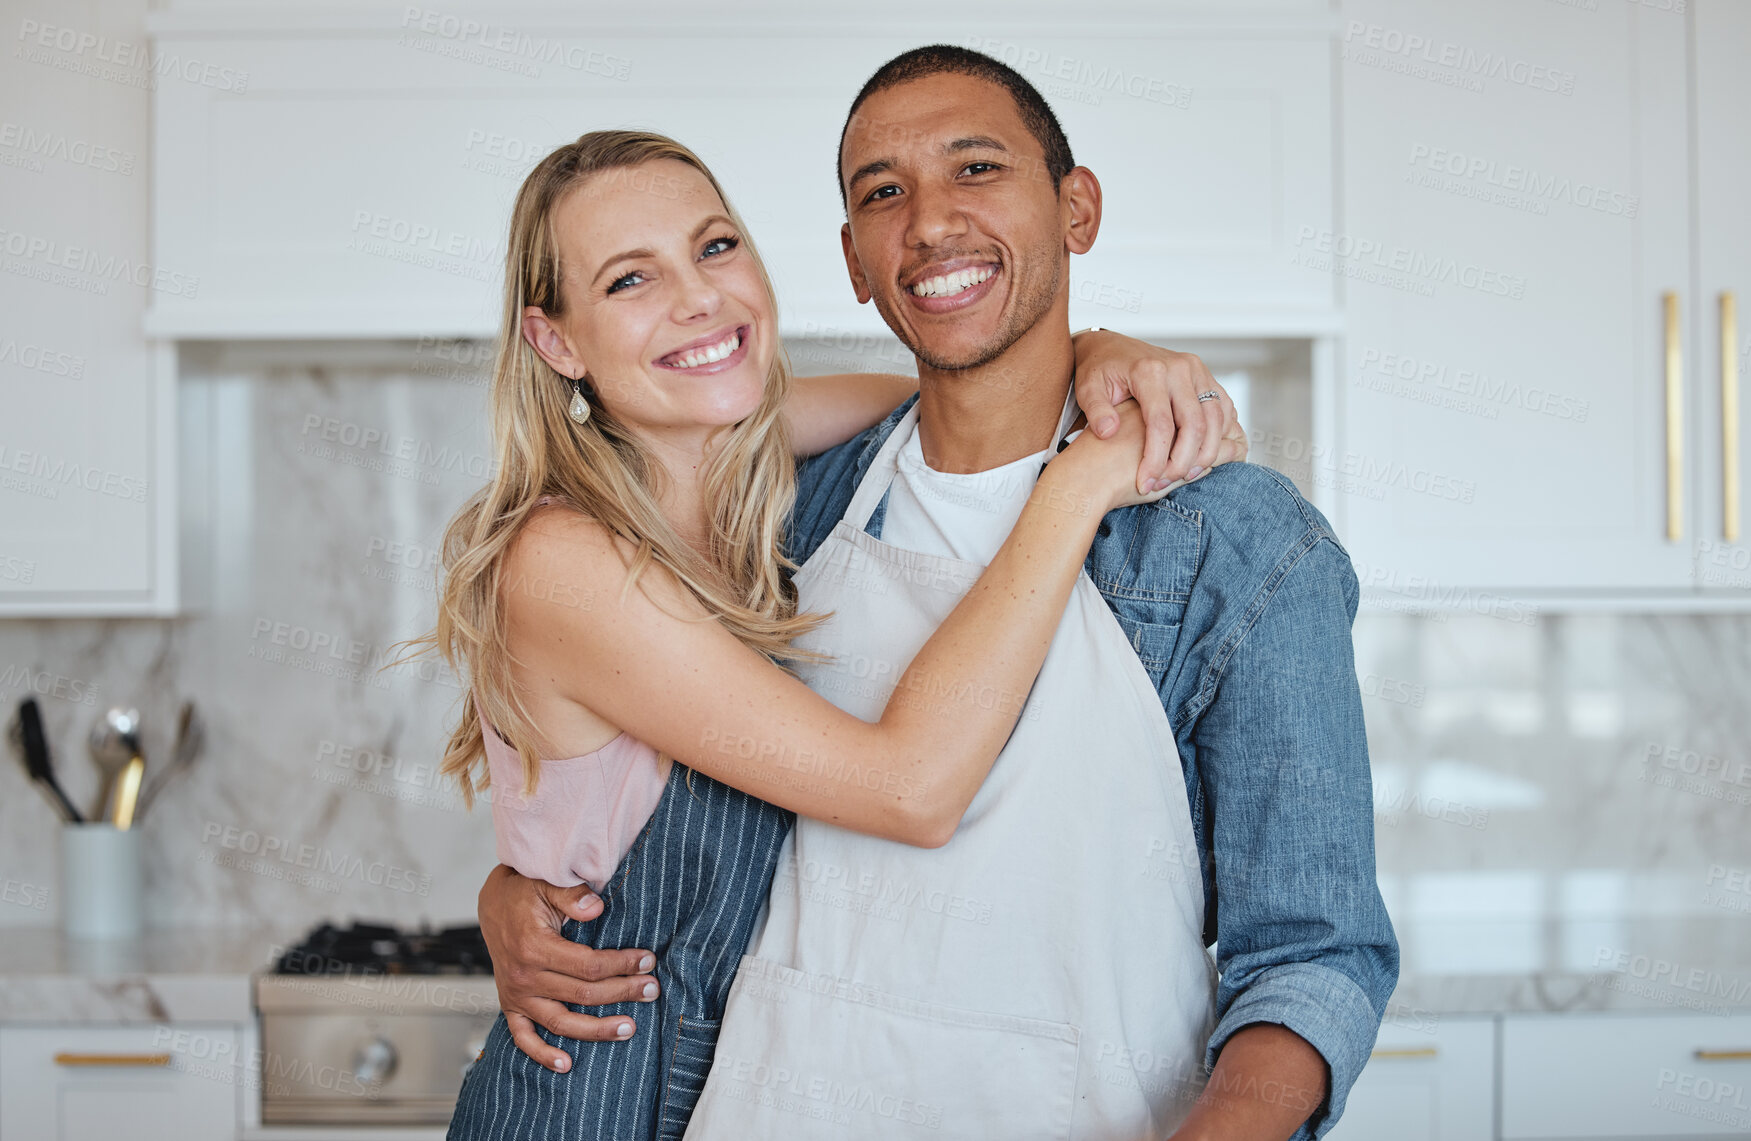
101	882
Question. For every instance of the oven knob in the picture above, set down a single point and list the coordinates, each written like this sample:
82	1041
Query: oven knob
374	1063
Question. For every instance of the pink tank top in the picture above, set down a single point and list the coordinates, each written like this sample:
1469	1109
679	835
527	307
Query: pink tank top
585	813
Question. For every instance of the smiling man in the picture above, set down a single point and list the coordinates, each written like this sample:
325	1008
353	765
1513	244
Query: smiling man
1189	769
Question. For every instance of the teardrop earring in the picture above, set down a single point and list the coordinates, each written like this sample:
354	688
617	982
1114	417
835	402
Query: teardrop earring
580	408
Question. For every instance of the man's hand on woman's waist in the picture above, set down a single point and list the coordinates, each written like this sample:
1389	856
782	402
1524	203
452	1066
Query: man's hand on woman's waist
538	970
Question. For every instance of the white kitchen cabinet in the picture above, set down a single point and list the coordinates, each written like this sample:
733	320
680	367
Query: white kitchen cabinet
1516	182
351	174
1430	1078
103	1083
1626	1075
87	412
1721	38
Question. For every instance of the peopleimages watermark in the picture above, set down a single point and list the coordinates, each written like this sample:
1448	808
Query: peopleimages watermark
43	475
1393	805
776	761
1364	475
1727	888
218	1058
45	259
1171	859
25	354
221	1058
275	857
1434	398
23	893
424	245
1109	77
1446	62
860	675
1700	774
864	892
436	239
502	47
47	683
1721	564
819	1098
27	147
359	768
1396	690
1421	590
1463	389
118	61
19	571
1400	266
1107	295
501	155
373	987
377	449
830	343
462	359
1675	984
1518	186
1181	1078
1412	1017
336	655
405	564
1702	1097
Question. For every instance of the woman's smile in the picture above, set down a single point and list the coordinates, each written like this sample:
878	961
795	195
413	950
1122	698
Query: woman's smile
710	354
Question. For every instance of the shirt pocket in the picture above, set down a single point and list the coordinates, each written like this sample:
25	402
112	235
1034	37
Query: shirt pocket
1152	642
814	1056
689	1064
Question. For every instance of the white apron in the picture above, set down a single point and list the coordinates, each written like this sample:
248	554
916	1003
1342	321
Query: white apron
1043	975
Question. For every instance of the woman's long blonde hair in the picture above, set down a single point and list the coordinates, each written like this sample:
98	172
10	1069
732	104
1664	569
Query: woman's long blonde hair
601	469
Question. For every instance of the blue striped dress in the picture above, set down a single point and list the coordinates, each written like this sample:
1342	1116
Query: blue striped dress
689	889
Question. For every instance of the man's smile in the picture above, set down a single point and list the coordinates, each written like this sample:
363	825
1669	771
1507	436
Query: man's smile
951	286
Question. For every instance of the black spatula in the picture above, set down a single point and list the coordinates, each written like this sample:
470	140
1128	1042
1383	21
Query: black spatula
35	746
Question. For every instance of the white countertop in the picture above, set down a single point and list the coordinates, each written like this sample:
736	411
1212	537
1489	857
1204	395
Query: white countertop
164	976
1674	963
1655	964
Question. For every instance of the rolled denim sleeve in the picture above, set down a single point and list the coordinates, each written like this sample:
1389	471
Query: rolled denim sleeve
1303	936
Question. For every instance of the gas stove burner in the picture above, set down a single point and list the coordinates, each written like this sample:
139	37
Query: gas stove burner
368	948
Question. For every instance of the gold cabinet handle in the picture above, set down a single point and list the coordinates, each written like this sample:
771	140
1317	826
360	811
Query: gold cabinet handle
1729	417
112	1059
1723	1055
1419	1052
1674	422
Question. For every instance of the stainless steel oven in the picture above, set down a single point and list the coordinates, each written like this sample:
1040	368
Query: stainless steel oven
368	1030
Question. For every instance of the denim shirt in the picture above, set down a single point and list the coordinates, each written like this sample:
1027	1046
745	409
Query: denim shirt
1239	600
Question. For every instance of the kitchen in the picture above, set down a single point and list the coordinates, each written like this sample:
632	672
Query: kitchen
1469	270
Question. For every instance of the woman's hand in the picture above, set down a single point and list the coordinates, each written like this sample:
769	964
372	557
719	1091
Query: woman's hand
1184	437
1102	472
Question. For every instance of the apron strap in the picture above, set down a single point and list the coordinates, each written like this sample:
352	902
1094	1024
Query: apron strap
1065	419
881	471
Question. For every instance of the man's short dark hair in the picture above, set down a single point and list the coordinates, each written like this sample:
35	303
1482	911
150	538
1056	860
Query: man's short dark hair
947	59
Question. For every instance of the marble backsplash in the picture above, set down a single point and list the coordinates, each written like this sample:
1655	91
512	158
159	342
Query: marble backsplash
1539	783
317	796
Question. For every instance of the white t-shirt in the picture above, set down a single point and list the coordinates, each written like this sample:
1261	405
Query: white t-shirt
965	517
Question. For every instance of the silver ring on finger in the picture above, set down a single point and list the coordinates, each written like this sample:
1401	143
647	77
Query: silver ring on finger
1210	395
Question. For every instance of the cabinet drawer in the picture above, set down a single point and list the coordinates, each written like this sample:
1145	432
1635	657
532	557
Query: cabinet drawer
1430	1079
1626	1076
101	1083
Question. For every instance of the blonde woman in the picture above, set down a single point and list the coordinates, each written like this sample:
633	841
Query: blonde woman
618	602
